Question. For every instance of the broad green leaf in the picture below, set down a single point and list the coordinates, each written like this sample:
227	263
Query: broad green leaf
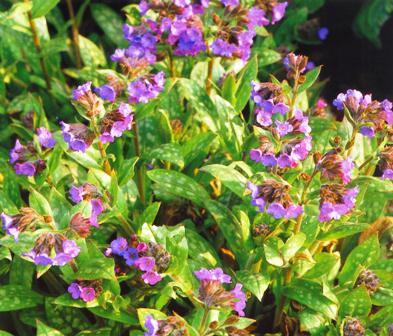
40	203
197	147
179	185
372	16
382	297
201	250
357	303
292	245
144	312
310	294
382	317
44	330
256	283
91	54
267	56
127	170
342	231
311	77
168	152
21	272
248	74
15	297
229	89
230	177
149	214
272	248
42	7
361	256
67	300
118	316
109	21
231	229
325	262
311	320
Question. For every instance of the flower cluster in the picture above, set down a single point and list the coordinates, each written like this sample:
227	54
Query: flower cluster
212	293
87	290
334	167
53	249
170	326
370	116
88	192
150	258
386	162
292	135
273	197
336	201
14	225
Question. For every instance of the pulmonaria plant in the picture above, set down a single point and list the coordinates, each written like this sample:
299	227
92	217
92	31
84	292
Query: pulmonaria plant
134	199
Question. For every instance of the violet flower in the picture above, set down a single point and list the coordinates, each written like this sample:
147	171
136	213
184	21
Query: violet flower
240	299
78	136
45	138
106	92
213	274
151	325
151	278
323	33
146	88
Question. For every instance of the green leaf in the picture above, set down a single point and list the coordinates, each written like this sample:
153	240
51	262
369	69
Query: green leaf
91	54
238	240
383	317
292	245
179	185
357	303
229	176
149	214
118	316
268	56
44	330
109	21
21	272
325	262
361	256
168	152
39	203
15	297
67	300
342	231
42	7
248	74
229	89
310	294
272	248
197	147
256	283
144	312
311	77
382	297
371	17
127	170
201	250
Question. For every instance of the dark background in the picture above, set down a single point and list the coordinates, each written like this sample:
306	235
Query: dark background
352	62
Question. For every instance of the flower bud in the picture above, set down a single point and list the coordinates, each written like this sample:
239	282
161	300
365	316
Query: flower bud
353	327
369	279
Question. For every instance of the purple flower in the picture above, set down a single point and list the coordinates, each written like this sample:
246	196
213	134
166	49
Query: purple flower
367	131
310	65
68	252
96	209
222	48
229	3
213	274
26	168
81	91
323	33
119	246
75	290
387	174
245	41
45	138
78	136
142	42
336	201
263	117
256	17
151	325
278	11
131	256
118	55
88	294
347	166
190	43
76	193
146	264
146	88
151	278
116	122
9	226
106	92
240	299
283	127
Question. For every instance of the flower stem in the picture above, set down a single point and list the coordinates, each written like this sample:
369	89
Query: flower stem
37	45
351	142
75	34
203	327
107	166
137	147
209	78
280	308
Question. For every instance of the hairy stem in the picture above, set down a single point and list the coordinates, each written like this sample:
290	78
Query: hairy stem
37	45
203	327
351	142
75	34
137	147
101	148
